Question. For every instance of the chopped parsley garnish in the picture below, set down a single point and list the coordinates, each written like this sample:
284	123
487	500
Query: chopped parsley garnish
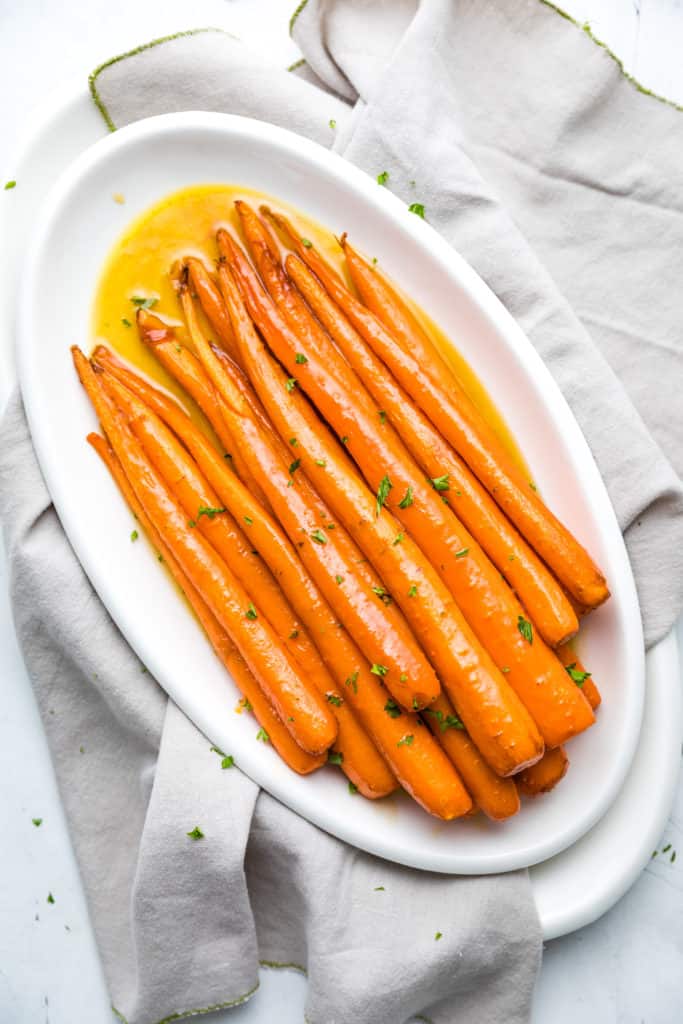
332	698
505	668
379	670
321	462
353	788
9	185
251	612
262	736
352	681
525	628
382	594
293	441
392	708
462	552
334	757
412	591
228	761
246	704
300	358
50	898
382	416
293	466
134	535
345	439
407	499
403	677
339	579
417	208
196	833
383	177
406	741
210	513
385	486
37	822
294	634
332	123
379	888
440	483
126	322
576	675
319	537
397	539
291	383
438	936
307	243
249	521
533	486
143	303
445	721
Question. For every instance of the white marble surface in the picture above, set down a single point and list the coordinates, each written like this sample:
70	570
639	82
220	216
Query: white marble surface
625	968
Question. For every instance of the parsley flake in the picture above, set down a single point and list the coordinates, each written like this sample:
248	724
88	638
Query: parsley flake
385	486
417	208
525	628
251	612
407	499
294	634
412	591
332	123
440	483
143	303
406	741
438	936
576	675
134	536
293	466
382	416
392	708
319	537
307	243
300	358
334	757
262	736
382	594
196	833
353	788
37	822
462	552
291	383
352	681
9	185
397	540
126	322
379	888
293	441
379	670
333	698
249	521
210	513
50	898
321	462
383	177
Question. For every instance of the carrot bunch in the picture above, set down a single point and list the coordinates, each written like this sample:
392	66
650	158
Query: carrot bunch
369	563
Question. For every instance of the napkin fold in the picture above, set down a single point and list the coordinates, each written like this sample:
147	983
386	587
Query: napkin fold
556	179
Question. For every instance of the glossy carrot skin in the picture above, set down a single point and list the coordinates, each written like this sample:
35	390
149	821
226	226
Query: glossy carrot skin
194	493
544	599
495	719
496	797
419	766
436	390
545	774
303	711
290	752
486	601
187	370
209	297
328	553
588	687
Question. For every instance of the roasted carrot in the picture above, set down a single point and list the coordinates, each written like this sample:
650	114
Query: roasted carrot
328	553
290	752
303	711
539	592
419	766
362	763
487	603
545	774
419	368
495	718
187	370
496	797
579	676
210	299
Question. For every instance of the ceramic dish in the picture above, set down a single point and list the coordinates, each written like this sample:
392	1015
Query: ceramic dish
77	228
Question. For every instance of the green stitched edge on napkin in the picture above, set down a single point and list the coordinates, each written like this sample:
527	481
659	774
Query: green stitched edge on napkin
296	14
92	79
585	27
195	1013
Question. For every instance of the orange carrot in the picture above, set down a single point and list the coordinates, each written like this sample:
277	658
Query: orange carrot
496	797
328	553
495	718
290	752
362	763
422	372
419	766
545	774
579	676
489	606
303	711
536	588
210	298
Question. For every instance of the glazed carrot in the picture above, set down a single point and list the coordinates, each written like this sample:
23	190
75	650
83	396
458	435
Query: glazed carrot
419	766
327	552
495	718
290	752
496	797
303	711
210	299
187	370
579	675
422	372
487	603
539	592
202	505
362	763
545	774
